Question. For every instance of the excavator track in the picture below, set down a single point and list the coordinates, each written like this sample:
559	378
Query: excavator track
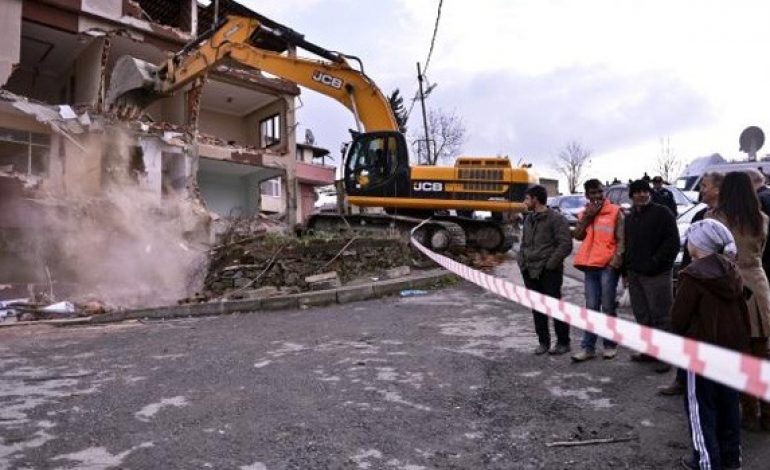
439	233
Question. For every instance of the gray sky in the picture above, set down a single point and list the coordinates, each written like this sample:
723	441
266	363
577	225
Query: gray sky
527	76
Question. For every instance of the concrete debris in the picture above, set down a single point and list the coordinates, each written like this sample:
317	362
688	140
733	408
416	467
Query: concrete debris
64	308
330	280
66	112
245	262
400	271
261	293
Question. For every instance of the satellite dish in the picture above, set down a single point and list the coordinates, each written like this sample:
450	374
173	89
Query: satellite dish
309	137
751	140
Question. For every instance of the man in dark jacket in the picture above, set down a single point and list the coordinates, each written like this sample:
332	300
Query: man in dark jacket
663	196
652	243
710	307
545	242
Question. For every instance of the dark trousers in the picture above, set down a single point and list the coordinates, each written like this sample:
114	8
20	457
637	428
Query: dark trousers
549	283
651	299
752	406
715	424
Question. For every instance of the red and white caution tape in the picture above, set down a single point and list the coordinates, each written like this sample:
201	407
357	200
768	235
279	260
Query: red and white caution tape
739	371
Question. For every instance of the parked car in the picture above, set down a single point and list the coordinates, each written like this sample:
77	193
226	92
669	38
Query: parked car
618	194
683	223
570	205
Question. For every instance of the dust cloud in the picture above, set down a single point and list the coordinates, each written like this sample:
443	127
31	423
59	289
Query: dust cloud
127	246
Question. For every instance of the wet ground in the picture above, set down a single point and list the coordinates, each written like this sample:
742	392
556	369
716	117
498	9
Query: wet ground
445	380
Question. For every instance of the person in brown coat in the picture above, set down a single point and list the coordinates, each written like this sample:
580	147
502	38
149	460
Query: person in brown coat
738	209
710	307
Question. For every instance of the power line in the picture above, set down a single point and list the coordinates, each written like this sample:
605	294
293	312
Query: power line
430	54
433	40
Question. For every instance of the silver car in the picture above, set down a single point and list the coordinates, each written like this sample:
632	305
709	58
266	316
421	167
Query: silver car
570	205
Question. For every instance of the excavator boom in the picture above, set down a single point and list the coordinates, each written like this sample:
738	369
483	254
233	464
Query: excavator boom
135	84
377	170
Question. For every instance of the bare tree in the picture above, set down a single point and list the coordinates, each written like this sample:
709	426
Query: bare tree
668	163
571	162
447	134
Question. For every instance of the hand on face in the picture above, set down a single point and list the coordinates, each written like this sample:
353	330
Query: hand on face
595	202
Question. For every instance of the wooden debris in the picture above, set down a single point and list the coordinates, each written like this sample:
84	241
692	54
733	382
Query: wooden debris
590	442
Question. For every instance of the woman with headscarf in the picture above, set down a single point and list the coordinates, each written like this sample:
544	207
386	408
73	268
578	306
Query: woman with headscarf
710	307
738	209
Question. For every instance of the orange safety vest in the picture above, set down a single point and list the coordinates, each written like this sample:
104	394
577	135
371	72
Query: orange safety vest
600	244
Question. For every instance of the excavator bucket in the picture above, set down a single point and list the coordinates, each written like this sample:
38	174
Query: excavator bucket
134	85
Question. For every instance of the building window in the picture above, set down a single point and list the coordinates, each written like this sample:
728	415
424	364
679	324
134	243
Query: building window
270	130
271	187
24	152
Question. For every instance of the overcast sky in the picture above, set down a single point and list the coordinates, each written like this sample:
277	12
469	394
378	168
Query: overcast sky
528	76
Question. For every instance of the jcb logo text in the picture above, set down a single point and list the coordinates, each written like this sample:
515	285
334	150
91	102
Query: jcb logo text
427	186
327	79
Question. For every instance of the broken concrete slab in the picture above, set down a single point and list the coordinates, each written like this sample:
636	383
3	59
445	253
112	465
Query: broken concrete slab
280	303
431	279
324	281
320	297
354	293
391	286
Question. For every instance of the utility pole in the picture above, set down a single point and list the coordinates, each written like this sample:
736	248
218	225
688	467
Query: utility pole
424	115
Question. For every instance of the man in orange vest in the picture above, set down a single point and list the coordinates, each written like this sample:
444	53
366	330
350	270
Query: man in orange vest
600	257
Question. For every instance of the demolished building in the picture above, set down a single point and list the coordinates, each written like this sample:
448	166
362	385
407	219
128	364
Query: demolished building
228	141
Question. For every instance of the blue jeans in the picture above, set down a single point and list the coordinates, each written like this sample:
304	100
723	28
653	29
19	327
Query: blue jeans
601	286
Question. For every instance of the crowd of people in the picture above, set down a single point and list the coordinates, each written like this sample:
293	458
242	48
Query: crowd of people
722	294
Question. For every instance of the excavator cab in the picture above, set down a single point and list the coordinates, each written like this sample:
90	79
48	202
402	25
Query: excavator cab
377	164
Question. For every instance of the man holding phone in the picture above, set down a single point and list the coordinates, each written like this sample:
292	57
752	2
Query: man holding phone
600	257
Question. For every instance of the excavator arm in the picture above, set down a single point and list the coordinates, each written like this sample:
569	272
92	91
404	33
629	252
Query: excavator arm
136	84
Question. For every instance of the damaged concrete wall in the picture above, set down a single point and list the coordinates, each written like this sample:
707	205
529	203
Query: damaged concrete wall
227	195
251	124
88	73
108	8
152	158
224	126
10	46
173	109
73	172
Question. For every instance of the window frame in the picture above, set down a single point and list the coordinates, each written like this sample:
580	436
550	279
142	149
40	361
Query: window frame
275	187
34	142
269	125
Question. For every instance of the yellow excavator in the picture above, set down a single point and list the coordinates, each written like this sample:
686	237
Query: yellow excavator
377	171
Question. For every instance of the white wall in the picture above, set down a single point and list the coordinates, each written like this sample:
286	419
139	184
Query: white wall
10	41
223	193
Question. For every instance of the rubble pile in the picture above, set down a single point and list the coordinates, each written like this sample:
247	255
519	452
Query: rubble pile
248	262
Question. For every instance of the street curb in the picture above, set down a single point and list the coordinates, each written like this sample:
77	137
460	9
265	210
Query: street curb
340	295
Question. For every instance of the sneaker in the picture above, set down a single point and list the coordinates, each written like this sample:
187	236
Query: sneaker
583	355
559	349
541	349
675	388
728	466
610	353
662	367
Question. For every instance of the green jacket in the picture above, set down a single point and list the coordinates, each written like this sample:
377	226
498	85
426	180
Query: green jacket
545	242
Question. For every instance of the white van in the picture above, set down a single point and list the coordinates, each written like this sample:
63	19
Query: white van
692	173
690	184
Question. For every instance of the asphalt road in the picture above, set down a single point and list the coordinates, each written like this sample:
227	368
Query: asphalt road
445	380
